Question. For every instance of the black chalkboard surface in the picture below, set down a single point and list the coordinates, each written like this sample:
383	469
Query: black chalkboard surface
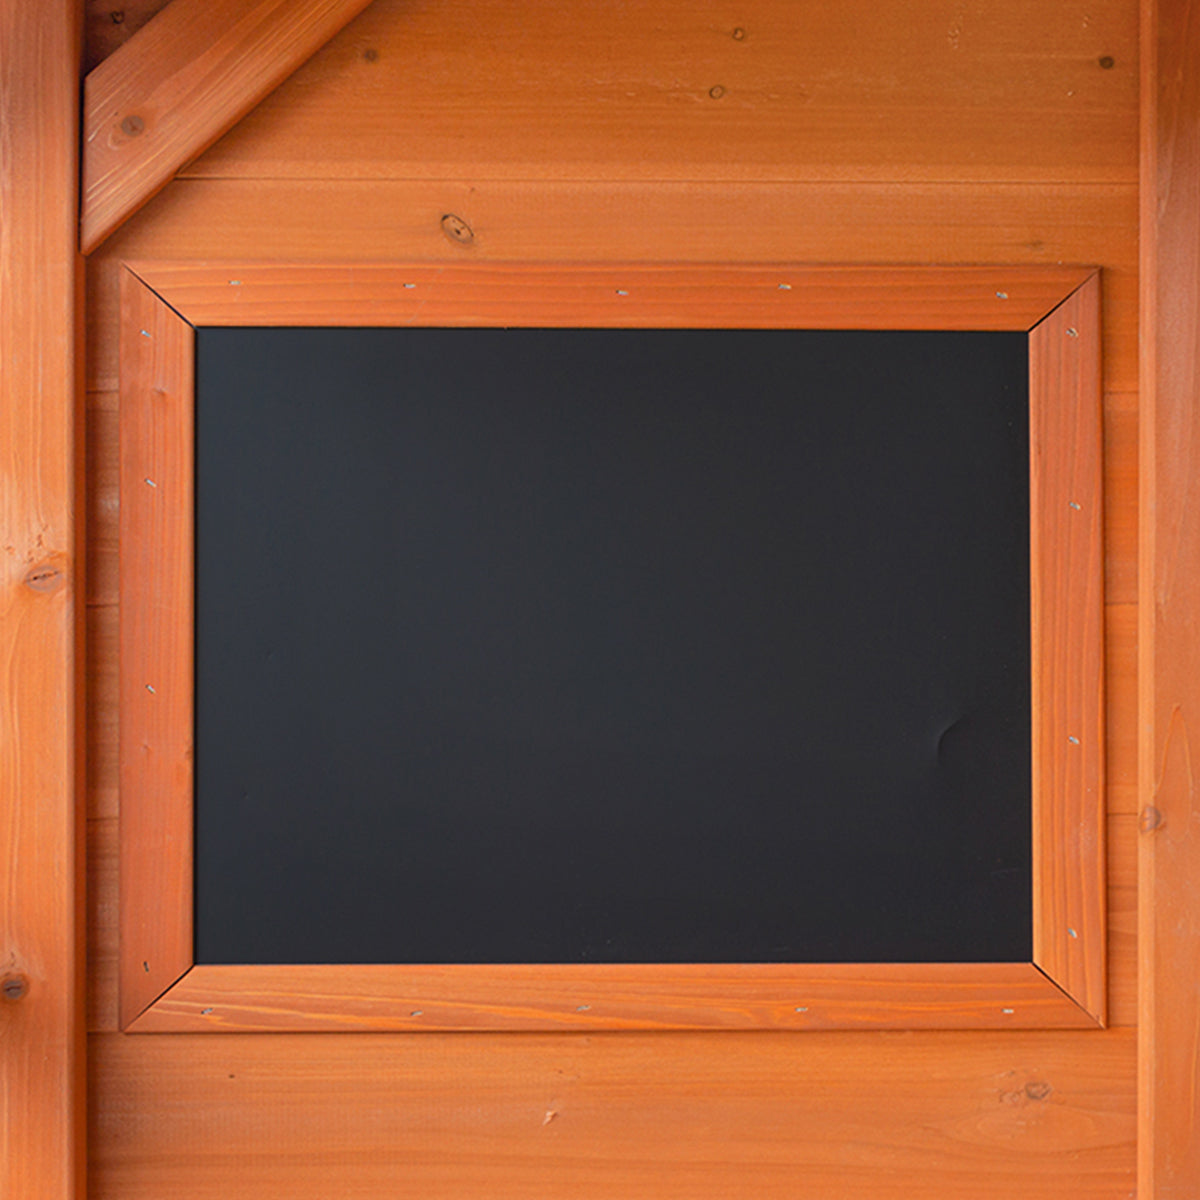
611	646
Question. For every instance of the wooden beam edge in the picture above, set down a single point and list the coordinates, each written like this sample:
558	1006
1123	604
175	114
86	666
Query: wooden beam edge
184	79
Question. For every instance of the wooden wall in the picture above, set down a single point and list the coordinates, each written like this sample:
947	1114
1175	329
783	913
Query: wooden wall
669	130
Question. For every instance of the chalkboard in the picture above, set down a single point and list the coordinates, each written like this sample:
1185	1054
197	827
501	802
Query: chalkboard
521	645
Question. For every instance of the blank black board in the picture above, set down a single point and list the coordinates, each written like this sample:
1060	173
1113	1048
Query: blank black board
612	646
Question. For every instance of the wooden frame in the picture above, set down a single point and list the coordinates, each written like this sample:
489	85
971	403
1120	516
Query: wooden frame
161	989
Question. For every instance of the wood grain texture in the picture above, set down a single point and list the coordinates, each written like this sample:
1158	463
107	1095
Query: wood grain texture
1067	586
1169	668
851	1116
594	997
548	222
656	296
155	648
664	90
845	1115
42	1120
178	84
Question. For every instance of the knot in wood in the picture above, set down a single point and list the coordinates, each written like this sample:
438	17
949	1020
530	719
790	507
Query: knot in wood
457	230
45	577
15	987
1150	819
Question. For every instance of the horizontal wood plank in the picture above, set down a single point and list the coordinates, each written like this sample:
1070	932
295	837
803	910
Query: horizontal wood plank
670	90
575	223
720	296
612	997
882	1116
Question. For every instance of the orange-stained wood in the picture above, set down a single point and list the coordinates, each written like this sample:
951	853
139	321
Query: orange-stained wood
179	83
652	295
606	997
668	1116
560	223
155	648
667	90
1067	578
42	1119
1169	665
156	591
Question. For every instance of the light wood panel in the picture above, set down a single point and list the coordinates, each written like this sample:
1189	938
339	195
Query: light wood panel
179	83
42	1124
670	1116
290	221
1169	669
155	694
665	90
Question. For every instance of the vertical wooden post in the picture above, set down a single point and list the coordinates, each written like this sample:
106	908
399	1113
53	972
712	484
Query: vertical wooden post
41	960
1169	605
